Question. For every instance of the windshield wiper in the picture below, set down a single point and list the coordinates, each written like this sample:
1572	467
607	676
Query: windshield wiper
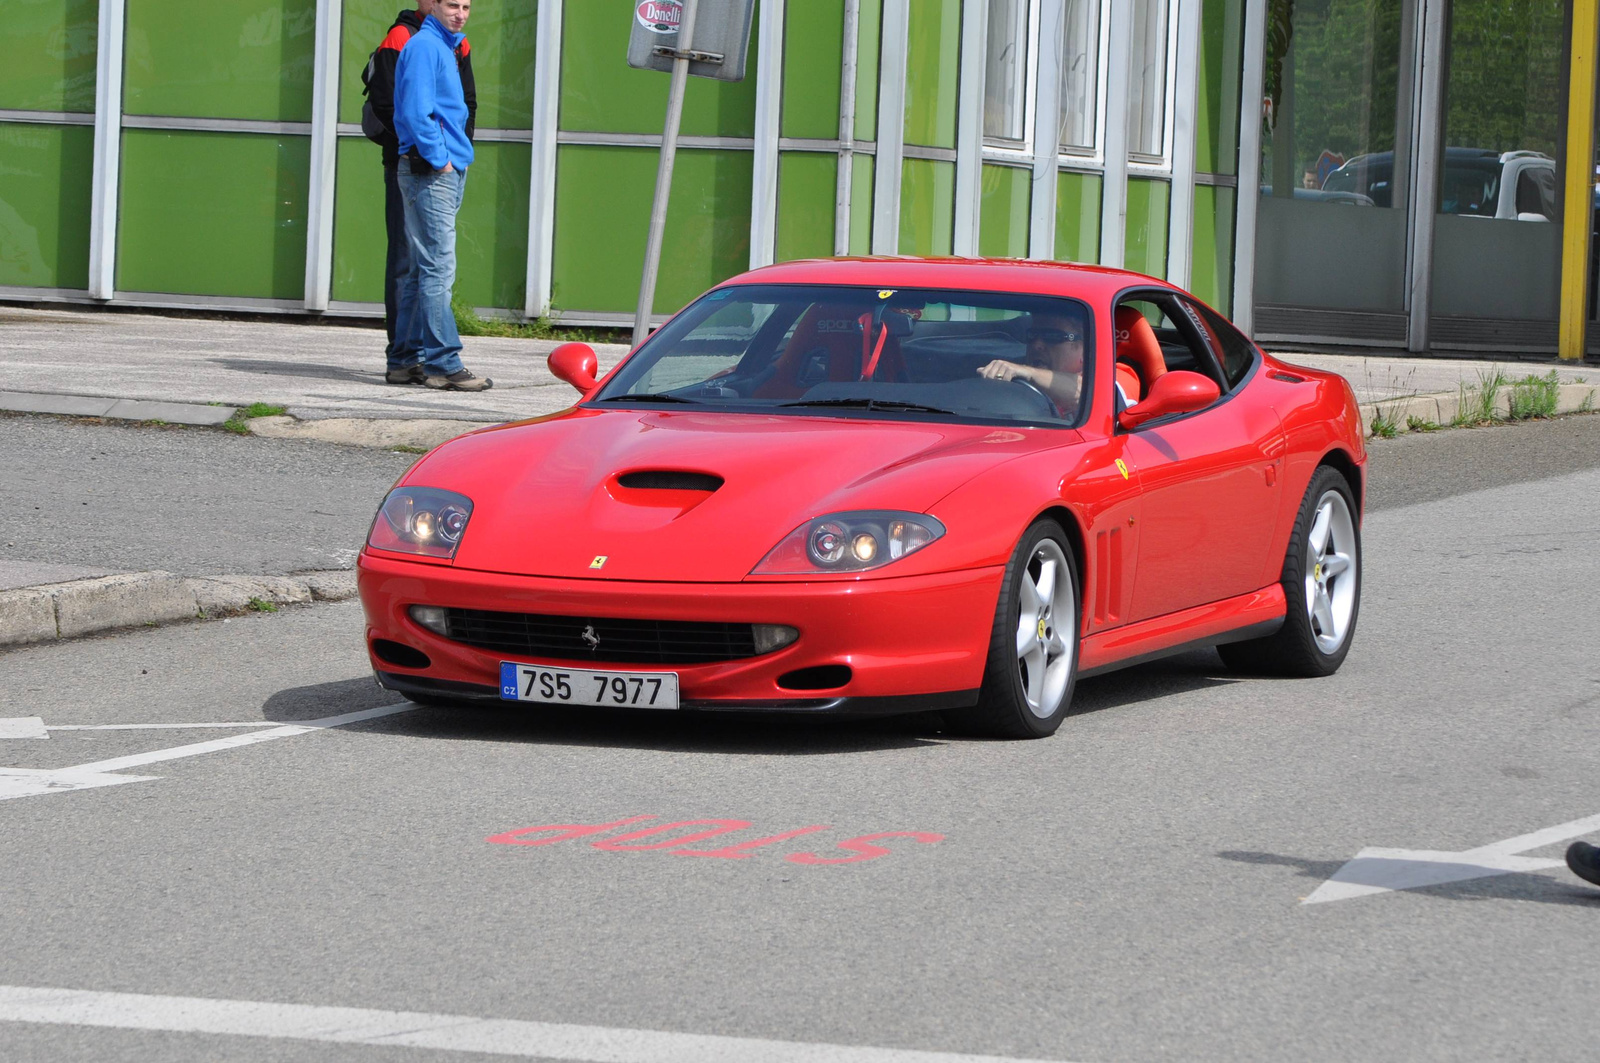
648	397
872	404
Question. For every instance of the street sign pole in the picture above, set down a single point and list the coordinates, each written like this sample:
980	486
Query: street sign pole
669	153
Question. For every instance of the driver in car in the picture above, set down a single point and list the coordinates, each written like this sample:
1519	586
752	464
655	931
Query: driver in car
1054	359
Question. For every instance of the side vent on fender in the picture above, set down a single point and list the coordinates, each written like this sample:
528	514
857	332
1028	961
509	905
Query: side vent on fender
1108	577
669	480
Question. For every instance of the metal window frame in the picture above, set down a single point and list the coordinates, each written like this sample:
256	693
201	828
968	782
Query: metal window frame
542	180
1249	198
764	164
1051	25
844	182
1114	187
107	149
1184	112
969	128
894	42
1426	159
324	156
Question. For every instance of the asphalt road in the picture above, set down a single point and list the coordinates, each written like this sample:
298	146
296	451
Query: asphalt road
194	501
1128	890
201	502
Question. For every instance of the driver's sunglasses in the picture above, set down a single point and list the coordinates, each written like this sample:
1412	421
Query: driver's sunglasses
1053	335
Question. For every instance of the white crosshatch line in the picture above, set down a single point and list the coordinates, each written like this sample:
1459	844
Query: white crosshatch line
444	1033
1379	870
33	782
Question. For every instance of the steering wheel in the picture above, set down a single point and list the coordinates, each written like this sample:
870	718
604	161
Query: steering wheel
1047	403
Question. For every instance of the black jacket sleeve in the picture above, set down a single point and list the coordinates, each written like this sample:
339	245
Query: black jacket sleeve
469	89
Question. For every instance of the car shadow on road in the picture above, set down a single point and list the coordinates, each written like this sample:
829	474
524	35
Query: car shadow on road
1179	674
1540	888
769	734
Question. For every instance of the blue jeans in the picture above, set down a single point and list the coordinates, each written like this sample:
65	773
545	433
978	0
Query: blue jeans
432	198
397	263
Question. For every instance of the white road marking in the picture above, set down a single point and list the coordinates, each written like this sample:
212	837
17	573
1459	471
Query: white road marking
153	726
28	782
22	727
447	1033
1377	870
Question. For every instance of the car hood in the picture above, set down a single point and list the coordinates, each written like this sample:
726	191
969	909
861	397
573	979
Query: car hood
553	497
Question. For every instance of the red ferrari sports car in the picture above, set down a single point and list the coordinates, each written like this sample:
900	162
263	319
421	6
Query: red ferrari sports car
878	486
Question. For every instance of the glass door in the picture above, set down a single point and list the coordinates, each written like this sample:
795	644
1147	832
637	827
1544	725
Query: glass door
1331	243
1496	276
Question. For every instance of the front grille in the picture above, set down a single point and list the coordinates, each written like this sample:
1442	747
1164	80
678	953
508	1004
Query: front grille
616	641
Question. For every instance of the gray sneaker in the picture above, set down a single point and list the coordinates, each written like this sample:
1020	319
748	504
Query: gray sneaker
463	380
411	374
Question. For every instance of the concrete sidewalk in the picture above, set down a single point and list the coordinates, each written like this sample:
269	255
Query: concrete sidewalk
335	372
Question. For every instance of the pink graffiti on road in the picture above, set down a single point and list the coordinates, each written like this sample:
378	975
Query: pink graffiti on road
673	838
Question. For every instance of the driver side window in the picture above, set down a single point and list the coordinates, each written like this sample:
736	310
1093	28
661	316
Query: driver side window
1158	333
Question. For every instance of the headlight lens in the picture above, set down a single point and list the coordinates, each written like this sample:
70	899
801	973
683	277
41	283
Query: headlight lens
850	542
421	520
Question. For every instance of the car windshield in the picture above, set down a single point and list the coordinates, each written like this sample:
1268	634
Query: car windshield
867	352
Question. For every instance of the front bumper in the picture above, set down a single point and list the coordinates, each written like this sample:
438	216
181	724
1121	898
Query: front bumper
911	644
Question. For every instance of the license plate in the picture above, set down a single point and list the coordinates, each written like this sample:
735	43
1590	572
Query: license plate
576	686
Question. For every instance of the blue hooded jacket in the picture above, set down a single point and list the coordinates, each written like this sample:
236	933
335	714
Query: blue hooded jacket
430	109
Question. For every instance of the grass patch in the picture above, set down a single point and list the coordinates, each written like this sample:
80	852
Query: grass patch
1422	424
239	423
1535	396
1587	405
407	448
469	323
1384	424
261	605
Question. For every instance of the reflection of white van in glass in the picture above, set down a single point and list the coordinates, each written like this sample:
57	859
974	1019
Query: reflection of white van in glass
1477	182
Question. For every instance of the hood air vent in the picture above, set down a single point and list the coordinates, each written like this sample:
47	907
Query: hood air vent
669	480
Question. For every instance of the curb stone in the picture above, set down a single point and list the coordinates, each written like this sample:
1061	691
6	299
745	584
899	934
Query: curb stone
136	599
1441	408
364	432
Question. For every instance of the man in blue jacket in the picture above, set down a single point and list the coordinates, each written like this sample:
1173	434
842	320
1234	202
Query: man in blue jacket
430	123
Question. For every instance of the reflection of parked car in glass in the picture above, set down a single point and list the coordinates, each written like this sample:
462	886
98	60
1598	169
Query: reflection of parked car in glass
1477	182
1323	195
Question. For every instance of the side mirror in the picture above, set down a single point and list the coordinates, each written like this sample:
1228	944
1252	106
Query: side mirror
576	364
1179	391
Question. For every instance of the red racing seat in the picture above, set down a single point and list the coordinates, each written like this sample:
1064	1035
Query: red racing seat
1138	348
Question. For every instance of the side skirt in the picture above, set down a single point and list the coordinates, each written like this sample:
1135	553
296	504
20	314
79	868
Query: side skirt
1249	616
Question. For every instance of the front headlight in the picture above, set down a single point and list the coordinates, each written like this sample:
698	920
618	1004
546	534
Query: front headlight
850	542
421	520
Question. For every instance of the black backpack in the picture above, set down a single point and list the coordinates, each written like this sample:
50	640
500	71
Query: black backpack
371	124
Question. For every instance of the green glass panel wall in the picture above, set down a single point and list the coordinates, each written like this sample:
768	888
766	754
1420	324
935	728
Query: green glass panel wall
1217	120
502	40
933	60
204	59
1149	204
213	214
491	230
45	177
812	65
50	50
807	185
861	178
1003	212
601	93
359	239
603	212
927	207
868	41
1211	275
1078	217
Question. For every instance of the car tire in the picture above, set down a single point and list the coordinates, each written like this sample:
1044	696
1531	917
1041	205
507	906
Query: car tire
1321	587
1033	647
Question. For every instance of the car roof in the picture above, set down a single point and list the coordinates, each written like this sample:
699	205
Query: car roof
976	274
